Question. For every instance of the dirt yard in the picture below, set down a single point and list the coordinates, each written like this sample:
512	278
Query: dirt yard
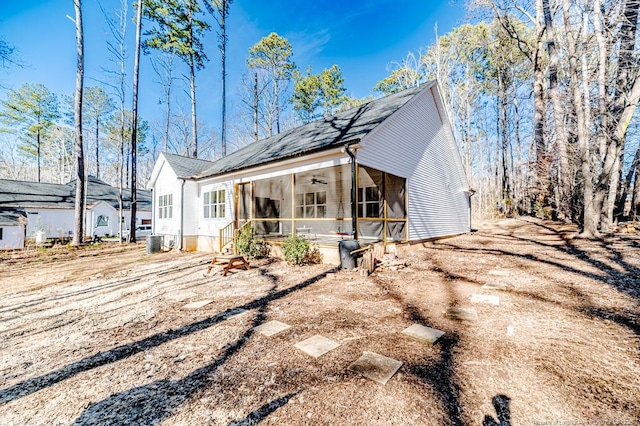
104	336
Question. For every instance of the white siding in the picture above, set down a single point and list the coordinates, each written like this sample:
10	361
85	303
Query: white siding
415	143
211	226
167	183
55	223
91	219
12	237
190	208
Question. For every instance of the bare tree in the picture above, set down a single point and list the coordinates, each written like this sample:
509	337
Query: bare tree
118	54
78	234
134	126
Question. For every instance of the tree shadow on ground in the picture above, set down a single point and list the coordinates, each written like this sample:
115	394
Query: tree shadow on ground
152	403
626	280
119	353
501	405
439	374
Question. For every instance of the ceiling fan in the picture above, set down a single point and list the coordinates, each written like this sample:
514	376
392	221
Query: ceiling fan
315	180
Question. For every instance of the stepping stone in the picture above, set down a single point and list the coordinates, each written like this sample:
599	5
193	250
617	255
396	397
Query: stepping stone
197	305
467	314
495	286
422	333
499	272
180	297
378	368
317	345
234	313
271	328
486	299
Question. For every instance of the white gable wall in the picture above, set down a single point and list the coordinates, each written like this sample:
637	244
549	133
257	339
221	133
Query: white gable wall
167	183
417	143
91	220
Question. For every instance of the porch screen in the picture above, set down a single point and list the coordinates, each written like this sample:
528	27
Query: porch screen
322	205
381	205
272	205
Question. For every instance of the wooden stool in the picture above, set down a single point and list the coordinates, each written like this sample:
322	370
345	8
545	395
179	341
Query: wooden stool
229	262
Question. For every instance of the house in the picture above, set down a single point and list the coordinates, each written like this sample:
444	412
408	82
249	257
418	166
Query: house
50	208
388	171
12	228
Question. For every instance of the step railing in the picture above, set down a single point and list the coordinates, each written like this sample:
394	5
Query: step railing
226	236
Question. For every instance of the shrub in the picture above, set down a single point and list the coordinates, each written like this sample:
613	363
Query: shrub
248	245
298	251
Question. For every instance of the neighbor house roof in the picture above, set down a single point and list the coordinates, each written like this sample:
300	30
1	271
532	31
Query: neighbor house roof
330	132
17	193
12	216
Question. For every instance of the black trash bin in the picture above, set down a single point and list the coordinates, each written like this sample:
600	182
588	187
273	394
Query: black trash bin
154	243
348	260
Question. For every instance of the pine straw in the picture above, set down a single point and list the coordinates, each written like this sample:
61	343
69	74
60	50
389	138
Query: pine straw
108	340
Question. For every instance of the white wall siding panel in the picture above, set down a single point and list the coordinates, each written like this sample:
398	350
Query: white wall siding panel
12	237
210	227
167	183
415	143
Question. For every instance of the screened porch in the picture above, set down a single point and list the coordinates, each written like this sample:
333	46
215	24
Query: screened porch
317	205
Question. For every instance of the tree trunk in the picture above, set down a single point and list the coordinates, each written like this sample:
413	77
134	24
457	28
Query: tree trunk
134	127
627	186
558	115
38	152
78	234
624	103
255	107
542	177
223	48
635	199
97	146
194	131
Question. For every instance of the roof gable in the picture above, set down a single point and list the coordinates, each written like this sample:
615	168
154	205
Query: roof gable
185	167
342	128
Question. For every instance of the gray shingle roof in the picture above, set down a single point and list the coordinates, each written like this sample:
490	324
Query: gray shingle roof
186	167
337	130
18	193
11	216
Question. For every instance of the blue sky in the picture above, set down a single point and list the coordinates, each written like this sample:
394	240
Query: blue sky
362	37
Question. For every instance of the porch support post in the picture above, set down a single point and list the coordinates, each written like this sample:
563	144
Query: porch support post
354	191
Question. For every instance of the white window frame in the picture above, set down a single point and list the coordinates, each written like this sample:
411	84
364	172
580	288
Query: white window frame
365	201
165	206
214	204
310	205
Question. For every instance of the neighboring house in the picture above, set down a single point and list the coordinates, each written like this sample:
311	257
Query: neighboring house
50	208
13	224
398	153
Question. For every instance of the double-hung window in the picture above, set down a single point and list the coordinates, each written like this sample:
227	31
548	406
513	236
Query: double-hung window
369	202
165	206
214	204
311	205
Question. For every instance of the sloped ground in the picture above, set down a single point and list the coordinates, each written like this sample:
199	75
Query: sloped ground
102	336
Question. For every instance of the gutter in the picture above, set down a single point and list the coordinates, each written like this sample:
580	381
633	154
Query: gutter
354	188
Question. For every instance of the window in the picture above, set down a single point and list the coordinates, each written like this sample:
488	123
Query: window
369	202
165	206
214	206
102	220
311	205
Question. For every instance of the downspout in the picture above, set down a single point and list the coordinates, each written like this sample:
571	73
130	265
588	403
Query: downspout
181	233
354	188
